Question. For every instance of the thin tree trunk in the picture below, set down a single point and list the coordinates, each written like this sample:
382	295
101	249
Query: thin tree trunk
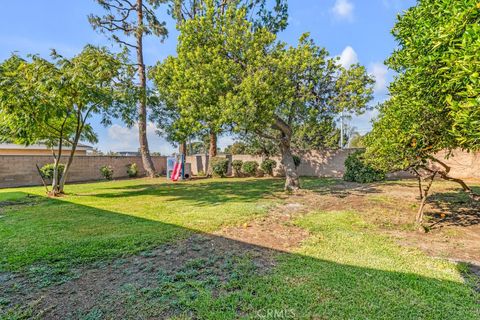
142	103
419	178
63	180
426	193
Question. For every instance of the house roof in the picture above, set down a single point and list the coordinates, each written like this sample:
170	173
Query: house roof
39	146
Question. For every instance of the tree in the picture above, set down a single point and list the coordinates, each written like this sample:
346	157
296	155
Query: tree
292	86
261	13
357	141
434	104
237	147
133	19
193	86
51	102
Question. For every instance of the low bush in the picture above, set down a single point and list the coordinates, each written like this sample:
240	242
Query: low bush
219	167
47	171
249	168
356	170
132	170
237	167
107	172
268	166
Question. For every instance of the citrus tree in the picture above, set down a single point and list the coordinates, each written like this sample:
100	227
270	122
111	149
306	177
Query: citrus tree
435	102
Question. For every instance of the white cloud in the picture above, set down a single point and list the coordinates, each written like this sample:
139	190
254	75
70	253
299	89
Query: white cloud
380	72
348	57
122	138
343	9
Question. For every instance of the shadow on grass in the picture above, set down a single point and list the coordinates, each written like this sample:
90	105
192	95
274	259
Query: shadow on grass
130	267
340	188
203	192
454	209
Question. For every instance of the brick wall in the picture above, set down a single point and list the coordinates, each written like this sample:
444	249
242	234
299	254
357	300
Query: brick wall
21	171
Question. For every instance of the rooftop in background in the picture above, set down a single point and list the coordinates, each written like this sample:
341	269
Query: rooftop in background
37	149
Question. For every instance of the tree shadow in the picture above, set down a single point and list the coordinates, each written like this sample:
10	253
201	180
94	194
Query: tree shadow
130	267
203	192
453	209
340	188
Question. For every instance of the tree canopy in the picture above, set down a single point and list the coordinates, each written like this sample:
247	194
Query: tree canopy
51	101
434	102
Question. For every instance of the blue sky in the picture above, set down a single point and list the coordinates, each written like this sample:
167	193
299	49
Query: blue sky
355	30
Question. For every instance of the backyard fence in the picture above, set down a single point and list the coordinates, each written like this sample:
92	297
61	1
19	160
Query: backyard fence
21	170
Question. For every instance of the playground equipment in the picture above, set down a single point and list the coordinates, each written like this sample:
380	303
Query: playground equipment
176	168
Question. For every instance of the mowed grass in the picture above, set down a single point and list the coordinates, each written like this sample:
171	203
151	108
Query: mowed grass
102	220
345	270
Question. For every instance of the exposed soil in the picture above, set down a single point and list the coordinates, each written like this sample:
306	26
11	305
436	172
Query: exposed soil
102	285
451	219
275	231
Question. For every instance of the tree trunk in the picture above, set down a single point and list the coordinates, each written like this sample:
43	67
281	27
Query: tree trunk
63	180
142	103
292	180
182	148
426	193
212	151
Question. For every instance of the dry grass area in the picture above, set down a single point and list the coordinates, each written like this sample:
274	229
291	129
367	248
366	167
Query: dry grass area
452	220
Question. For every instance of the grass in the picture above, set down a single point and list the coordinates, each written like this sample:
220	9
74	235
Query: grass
344	270
103	220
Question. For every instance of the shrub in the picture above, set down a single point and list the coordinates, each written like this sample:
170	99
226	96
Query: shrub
237	167
47	171
107	172
356	170
219	167
260	173
268	165
250	168
132	170
297	161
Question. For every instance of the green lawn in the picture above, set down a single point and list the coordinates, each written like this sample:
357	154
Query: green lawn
344	270
108	219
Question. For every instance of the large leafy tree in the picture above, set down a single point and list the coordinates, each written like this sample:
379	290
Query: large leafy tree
193	86
51	101
272	16
126	20
435	102
290	87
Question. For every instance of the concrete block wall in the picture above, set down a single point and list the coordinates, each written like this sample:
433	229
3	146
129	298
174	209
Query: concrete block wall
18	171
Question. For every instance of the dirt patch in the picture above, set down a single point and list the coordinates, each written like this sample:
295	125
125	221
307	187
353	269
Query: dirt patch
275	231
106	286
452	219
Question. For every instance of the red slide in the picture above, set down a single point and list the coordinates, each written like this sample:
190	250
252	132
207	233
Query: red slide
176	171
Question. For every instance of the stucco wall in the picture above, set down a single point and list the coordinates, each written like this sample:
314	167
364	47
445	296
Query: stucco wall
328	163
21	170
